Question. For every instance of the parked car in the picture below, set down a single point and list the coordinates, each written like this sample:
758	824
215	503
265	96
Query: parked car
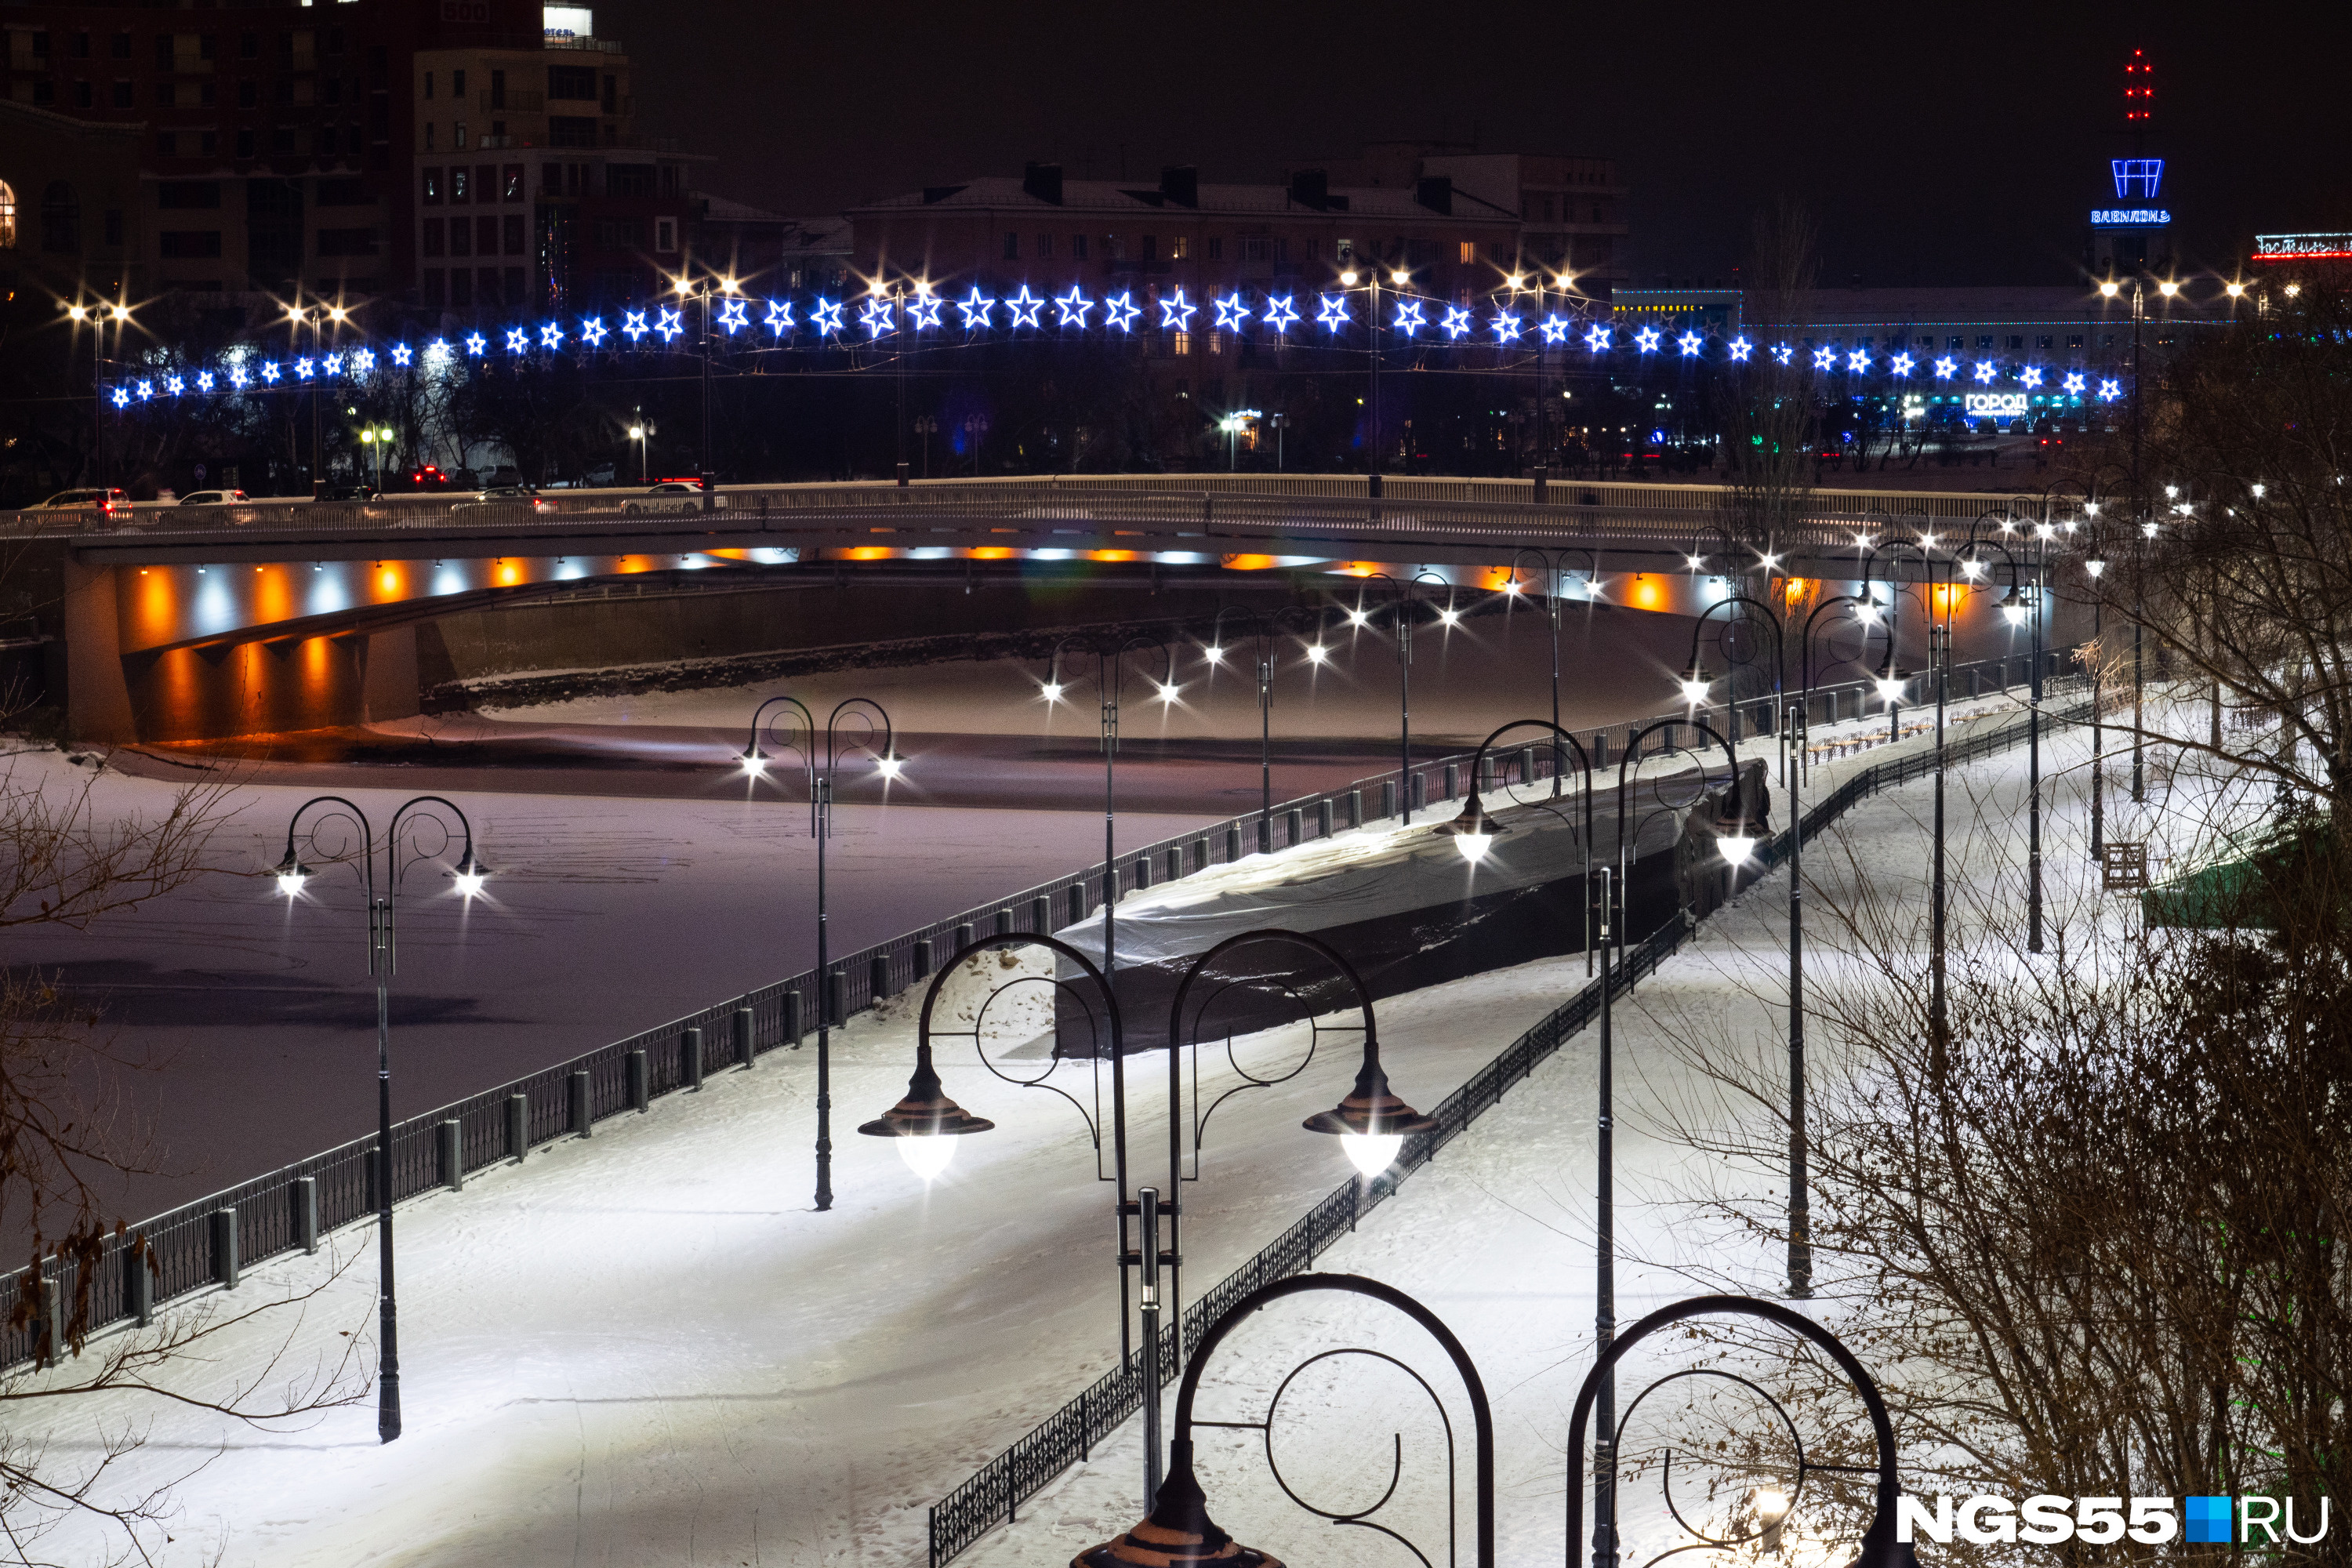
507	496
347	493
427	476
211	498
669	495
107	500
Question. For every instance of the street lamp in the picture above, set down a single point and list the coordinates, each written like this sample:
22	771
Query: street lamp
418	820
317	318
1403	601
638	433
98	316
926	425
1551	563
706	288
888	763
1399	278
1263	633
1232	425
1110	669
379	441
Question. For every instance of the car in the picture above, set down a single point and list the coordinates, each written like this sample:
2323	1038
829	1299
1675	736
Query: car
427	476
507	496
346	493
106	500
669	495
211	498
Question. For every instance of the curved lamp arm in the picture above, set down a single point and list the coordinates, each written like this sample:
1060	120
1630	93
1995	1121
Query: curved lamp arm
290	871
469	870
1878	1545
864	705
1696	679
755	761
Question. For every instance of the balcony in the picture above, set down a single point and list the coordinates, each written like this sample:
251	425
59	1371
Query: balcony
513	100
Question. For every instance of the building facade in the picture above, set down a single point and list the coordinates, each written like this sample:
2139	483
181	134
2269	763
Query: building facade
1572	211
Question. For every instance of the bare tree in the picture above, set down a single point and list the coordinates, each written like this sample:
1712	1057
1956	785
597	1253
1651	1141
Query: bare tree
1770	423
64	862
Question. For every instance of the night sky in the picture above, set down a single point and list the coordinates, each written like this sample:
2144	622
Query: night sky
1963	151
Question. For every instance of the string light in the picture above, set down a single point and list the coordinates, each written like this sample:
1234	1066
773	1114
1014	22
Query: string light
1121	309
2030	375
401	354
332	366
1740	349
1506	326
364	363
1901	364
1985	371
1411	317
1690	344
1597	340
1025	306
594	332
1458	323
1824	358
1784	353
302	369
875	317
270	372
1858	361
2074	382
1646	340
731	314
974	308
780	317
633	324
1232	313
1074	306
826	315
1945	367
1333	315
1556	328
1177	311
1281	315
551	336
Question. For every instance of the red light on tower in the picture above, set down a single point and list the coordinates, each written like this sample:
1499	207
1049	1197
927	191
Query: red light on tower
2139	88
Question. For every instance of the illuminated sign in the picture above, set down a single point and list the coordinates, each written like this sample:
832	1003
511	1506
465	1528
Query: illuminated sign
580	22
1995	404
2303	247
2137	177
2130	218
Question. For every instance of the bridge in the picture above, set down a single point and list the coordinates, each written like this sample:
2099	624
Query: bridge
169	623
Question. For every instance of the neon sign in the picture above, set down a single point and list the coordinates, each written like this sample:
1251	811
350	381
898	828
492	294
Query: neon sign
2130	218
1995	404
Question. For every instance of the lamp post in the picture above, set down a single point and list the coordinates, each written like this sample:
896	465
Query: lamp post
1111	668
1401	278
2140	515
1402	602
975	429
377	441
926	425
316	318
98	316
705	288
820	781
415	817
2094	566
1265	632
1371	1123
638	432
1550	561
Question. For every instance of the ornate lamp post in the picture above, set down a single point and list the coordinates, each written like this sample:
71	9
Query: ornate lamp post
819	780
417	820
1263	633
1550	561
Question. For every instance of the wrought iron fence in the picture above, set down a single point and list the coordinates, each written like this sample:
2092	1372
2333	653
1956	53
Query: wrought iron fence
995	1493
205	1243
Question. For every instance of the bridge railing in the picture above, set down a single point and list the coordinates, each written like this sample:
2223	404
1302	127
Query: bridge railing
1211	504
206	1242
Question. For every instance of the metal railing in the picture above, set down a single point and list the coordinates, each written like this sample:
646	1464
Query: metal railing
995	1493
205	1243
1201	505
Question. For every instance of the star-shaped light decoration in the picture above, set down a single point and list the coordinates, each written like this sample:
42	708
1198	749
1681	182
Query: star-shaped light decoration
669	321
1072	308
475	343
1121	309
1690	344
594	332
174	385
875	317
401	354
1232	313
1456	323
1411	316
2111	390
633	324
303	369
1945	367
518	341
1858	361
1740	349
1597	340
146	390
2030	375
1025	306
1332	313
1647	340
364	362
1177	311
1824	358
732	315
331	365
121	397
1505	326
237	376
2074	382
1280	313
1554	328
975	307
1784	353
551	336
825	316
205	380
270	372
1986	372
1902	364
780	317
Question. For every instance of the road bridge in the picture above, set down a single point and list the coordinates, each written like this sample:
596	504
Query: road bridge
184	623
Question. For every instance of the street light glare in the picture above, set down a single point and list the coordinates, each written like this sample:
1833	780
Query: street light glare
1372	1153
1357	617
2110	290
470	876
1212	653
1474	845
754	763
2168	287
1694	690
1317	653
291	883
890	767
1400	277
1450	616
1890	688
1348	277
2095	567
1736	848
636	432
927	1153
1167	691
1051	691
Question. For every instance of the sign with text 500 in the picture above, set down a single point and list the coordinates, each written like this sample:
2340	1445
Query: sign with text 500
2043	1520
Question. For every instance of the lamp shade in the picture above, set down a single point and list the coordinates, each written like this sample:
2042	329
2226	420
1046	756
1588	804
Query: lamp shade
926	1111
1177	1531
1472	830
1373	1122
